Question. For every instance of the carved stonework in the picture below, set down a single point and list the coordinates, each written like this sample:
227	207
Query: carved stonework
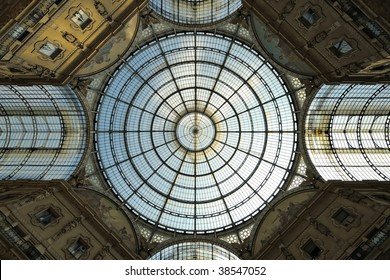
318	38
243	248
24	68
102	10
286	253
37	196
67	228
103	252
81	86
147	19
40	70
381	197
146	247
312	180
351	68
288	8
72	39
242	18
355	197
311	85
320	227
79	180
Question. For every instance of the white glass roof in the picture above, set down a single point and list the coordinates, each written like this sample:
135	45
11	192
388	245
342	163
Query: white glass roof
347	132
195	11
42	132
195	132
194	251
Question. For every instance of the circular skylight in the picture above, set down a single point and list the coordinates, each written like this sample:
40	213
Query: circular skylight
195	132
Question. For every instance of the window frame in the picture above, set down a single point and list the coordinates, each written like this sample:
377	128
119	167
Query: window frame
304	20
82	24
51	53
337	47
308	252
347	221
52	216
56	211
78	248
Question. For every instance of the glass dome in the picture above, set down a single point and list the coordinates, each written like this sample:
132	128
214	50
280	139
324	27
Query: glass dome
195	11
194	251
195	132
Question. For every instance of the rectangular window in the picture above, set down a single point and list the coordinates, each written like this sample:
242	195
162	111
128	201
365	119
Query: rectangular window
372	29
309	18
46	216
341	48
311	249
36	15
81	19
19	33
50	50
343	217
78	248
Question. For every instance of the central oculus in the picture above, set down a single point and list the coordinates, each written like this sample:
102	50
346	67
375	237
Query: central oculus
195	131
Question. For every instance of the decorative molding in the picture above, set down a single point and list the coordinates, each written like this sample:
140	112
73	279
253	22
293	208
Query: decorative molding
311	86
348	69
243	248
380	197
37	196
147	18
242	18
287	9
102	253
286	253
355	197
101	9
318	38
81	86
72	39
320	227
68	227
79	179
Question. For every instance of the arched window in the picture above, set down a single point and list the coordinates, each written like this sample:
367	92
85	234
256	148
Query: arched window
347	132
42	132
